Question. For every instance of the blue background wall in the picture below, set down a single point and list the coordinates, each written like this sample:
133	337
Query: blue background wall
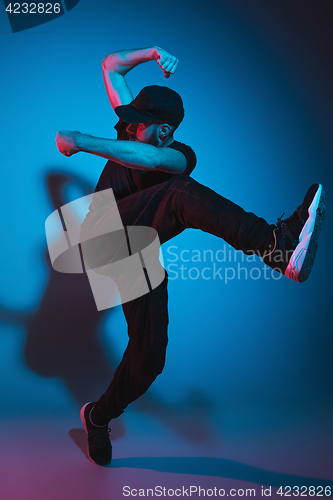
256	79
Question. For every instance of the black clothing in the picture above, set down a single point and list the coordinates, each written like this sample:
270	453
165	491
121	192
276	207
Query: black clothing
126	181
169	207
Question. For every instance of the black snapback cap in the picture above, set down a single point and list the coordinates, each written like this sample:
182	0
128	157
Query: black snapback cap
153	103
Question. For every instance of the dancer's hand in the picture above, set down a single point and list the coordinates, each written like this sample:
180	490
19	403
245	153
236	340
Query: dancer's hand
166	61
67	142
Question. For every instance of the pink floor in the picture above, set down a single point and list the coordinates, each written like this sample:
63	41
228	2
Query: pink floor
228	451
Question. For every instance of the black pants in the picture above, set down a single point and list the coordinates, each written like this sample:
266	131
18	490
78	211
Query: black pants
169	208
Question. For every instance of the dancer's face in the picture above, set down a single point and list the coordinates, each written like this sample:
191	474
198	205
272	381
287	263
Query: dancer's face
143	132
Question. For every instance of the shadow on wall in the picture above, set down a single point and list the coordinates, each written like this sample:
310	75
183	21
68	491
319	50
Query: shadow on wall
63	339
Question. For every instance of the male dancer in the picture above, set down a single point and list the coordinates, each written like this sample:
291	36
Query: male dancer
149	174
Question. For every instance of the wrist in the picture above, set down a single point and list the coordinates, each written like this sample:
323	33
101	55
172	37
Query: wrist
79	140
155	52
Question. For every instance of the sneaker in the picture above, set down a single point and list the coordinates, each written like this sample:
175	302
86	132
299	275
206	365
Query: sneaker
99	446
296	238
